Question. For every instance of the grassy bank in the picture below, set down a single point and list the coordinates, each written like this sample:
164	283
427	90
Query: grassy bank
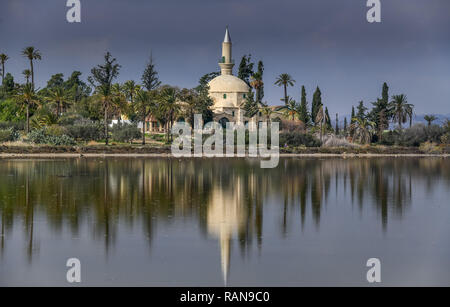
164	149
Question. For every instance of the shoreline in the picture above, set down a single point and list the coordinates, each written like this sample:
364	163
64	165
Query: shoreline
168	155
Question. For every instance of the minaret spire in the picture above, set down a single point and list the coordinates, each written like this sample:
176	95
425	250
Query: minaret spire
227	38
226	62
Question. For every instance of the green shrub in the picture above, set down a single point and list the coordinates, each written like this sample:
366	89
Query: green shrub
414	136
8	135
44	136
18	126
87	131
296	139
123	132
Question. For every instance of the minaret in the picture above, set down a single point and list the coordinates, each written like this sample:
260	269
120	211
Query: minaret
226	63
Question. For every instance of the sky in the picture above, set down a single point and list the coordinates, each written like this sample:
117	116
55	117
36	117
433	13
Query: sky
325	43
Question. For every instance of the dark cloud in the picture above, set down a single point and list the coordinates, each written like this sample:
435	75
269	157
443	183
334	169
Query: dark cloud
319	42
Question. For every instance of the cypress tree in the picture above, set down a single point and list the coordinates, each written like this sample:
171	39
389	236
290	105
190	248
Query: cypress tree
316	104
337	124
361	114
303	110
328	120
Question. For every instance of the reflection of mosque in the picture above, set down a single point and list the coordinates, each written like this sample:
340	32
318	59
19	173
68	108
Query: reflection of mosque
226	216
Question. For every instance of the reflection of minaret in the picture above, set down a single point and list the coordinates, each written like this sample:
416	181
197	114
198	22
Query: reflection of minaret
226	62
225	217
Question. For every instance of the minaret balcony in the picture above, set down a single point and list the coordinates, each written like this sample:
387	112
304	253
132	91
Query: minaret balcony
222	61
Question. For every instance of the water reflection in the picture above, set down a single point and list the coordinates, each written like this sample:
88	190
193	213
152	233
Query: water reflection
226	198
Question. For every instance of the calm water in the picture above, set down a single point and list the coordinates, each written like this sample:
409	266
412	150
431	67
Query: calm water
160	222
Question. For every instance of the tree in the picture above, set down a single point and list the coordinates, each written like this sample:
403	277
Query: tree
401	110
168	107
291	108
145	105
251	106
130	89
61	98
27	74
285	80
150	79
336	130
303	113
430	119
102	77
361	110
328	120
257	83
261	73
27	98
362	130
246	69
380	115
345	125
3	59
32	54
316	104
321	118
77	88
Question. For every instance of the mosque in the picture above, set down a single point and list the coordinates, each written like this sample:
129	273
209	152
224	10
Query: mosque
228	93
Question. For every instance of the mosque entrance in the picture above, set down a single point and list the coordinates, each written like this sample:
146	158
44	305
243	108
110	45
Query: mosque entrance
223	122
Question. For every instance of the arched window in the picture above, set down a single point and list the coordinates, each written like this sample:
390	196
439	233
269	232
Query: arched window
223	122
224	96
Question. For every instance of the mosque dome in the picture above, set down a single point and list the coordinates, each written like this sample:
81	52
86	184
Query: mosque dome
228	84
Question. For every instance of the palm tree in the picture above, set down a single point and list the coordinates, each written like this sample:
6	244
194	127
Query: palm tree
104	95
145	106
3	59
291	108
130	89
430	119
169	107
27	97
61	98
401	109
268	111
257	83
285	80
27	74
31	54
362	129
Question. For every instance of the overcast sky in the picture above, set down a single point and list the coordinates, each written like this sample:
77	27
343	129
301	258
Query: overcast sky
319	42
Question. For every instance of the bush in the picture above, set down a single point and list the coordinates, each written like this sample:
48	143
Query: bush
44	136
9	135
413	136
18	126
296	139
123	132
87	131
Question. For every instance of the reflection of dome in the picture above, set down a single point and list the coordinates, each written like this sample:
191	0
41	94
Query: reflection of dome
228	84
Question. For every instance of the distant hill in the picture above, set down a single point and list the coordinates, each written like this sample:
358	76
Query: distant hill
418	118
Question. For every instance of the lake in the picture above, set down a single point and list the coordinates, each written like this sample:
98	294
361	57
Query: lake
216	222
